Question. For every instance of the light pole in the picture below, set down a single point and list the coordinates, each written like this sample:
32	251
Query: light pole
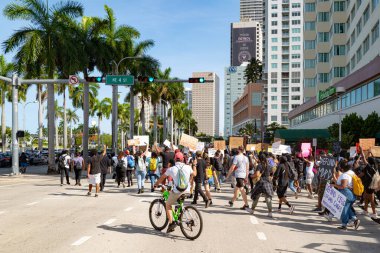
115	102
23	127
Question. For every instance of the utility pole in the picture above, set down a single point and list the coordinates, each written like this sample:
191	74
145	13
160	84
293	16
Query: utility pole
15	85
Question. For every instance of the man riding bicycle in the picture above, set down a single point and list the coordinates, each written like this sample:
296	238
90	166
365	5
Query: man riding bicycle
181	174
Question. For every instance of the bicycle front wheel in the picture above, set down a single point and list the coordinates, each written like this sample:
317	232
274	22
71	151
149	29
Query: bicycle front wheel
157	214
191	222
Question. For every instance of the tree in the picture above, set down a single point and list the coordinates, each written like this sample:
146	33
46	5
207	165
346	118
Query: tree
77	95
271	129
371	126
254	71
102	109
72	117
248	129
46	37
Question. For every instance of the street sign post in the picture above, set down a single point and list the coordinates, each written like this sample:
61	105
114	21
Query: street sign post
120	80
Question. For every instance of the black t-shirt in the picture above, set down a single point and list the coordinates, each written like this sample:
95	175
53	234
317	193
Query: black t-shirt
104	164
282	173
167	157
368	171
95	164
201	166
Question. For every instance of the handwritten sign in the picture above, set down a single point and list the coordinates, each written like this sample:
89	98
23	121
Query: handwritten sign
375	151
367	144
352	151
285	149
326	167
189	141
333	200
220	145
336	147
167	143
235	142
276	148
211	152
131	142
200	146
141	140
250	147
305	147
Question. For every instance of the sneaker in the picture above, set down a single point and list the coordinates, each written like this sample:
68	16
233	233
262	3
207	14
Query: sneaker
139	191
270	215
68	183
356	224
231	203
328	217
194	203
61	184
374	216
88	193
318	209
296	195
171	227
152	190
96	195
79	184
244	207
142	190
279	210
211	202
208	203
191	196
291	209
76	184
344	228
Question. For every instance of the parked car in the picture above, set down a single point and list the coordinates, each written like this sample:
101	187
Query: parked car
5	161
38	160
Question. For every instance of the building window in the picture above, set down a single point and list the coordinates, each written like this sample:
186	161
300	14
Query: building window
353	62
339	71
296	30
273	106
310	26
274	57
309	64
323	16
323	77
359	27
296	39
273	89
339	50
310	82
323	57
375	32
274	23
339	6
339	28
323	37
296	5
274	31
296	47
296	98
274	39
274	48
274	15
273	81
296	56
273	74
296	14
296	77
353	37
359	54
274	65
274	98
366	45
309	7
296	89
375	3
296	22
273	118
274	6
353	13
284	120
296	65
366	15
309	44
256	99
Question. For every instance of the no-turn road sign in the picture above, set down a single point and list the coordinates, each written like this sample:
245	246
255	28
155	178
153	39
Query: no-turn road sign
73	80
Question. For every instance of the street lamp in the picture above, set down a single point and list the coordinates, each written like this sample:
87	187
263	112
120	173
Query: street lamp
115	102
25	104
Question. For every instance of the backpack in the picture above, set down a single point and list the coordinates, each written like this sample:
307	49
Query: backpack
153	164
293	175
218	164
62	161
183	181
131	162
357	185
121	165
78	165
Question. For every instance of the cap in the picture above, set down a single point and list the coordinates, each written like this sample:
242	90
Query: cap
178	156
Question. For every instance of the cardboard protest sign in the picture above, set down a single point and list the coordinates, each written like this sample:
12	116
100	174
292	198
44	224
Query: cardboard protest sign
250	147
220	145
334	201
200	146
141	140
352	151
262	147
326	167
367	144
167	143
305	149
211	152
375	151
189	141
131	142
235	142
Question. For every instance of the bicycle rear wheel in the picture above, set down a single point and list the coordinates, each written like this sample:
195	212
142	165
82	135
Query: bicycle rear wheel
191	223
157	214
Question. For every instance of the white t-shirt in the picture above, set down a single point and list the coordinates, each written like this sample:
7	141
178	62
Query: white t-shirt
173	172
309	171
347	176
241	162
67	161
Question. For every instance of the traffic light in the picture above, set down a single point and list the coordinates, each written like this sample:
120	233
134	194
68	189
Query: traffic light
95	79
145	79
196	80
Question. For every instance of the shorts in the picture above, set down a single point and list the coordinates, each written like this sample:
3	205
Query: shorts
94	178
23	164
369	191
281	190
239	182
209	181
173	197
309	180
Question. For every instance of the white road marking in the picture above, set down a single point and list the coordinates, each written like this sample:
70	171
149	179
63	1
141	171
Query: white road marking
254	220
81	240
109	222
32	204
261	236
128	209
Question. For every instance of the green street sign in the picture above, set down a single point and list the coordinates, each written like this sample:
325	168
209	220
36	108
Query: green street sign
120	80
324	94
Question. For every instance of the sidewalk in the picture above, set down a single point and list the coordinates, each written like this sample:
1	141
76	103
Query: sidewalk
35	170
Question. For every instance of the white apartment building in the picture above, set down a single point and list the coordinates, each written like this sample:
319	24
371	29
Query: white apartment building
283	58
252	10
234	83
188	98
205	103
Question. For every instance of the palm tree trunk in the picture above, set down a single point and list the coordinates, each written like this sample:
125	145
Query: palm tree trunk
142	117
164	122
64	120
3	124
86	90
51	127
122	139
71	135
155	121
99	133
56	133
132	113
40	117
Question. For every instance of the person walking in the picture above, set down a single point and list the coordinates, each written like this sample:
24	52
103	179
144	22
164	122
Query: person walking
309	174
121	169
94	171
199	165
240	166
153	171
105	168
218	165
293	175
282	176
209	178
140	171
64	166
78	165
130	167
23	162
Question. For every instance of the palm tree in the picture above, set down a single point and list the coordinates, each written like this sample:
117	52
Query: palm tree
5	70
101	109
72	117
254	71
42	42
248	129
123	117
77	95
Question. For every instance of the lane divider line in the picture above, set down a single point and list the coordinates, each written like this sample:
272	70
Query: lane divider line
109	222
261	236
254	220
128	209
81	241
33	203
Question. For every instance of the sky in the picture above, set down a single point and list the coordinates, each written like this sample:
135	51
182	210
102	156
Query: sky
189	35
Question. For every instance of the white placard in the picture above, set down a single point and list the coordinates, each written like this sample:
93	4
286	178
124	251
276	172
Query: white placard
211	152
200	146
334	201
276	148
142	140
352	151
285	149
175	147
167	143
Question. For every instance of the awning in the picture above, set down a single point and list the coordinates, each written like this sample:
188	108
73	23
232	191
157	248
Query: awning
292	135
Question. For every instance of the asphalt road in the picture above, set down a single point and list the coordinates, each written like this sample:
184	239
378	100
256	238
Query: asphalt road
38	215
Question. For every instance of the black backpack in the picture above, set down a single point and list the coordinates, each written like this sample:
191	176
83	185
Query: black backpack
218	164
61	161
293	175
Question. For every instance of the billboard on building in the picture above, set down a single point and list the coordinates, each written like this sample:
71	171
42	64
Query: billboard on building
243	45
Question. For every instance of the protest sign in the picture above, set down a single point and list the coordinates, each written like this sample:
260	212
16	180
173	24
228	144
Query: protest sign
375	151
276	148
326	167
131	142
200	146
235	142
280	140
352	151
305	148
189	141
167	143
333	200
141	140
285	149
336	147
367	144
211	152
262	147
250	147
220	145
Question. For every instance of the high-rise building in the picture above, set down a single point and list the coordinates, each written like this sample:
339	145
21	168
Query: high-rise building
148	110
283	59
246	42
205	103
251	10
188	98
339	37
234	83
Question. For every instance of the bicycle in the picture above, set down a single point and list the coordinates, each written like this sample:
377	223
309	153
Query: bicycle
187	217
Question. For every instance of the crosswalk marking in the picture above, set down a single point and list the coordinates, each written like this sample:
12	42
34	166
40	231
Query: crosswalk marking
109	222
81	241
261	236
